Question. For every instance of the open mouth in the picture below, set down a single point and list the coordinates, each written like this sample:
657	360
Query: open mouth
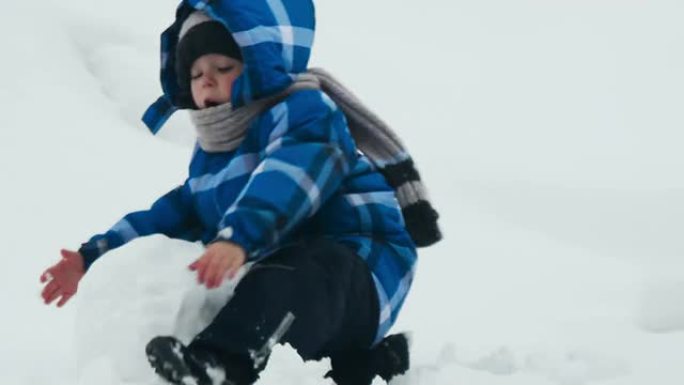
210	103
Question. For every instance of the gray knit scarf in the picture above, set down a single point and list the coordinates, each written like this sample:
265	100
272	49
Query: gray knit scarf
221	128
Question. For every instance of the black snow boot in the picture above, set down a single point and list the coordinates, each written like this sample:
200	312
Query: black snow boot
387	359
391	356
181	365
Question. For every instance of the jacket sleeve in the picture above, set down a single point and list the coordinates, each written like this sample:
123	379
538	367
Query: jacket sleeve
172	215
299	170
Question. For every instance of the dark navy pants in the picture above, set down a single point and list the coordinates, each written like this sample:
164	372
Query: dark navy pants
324	284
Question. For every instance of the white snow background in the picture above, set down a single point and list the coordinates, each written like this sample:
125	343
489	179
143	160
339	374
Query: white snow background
549	134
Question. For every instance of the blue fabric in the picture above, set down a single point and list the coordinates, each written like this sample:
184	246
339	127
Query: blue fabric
296	175
158	114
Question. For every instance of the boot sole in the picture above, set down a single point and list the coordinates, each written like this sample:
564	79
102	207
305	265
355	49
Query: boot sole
165	355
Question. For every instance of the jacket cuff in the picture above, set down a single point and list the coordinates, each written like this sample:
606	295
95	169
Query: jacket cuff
92	250
229	235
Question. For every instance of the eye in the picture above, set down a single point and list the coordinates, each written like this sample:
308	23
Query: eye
196	76
226	69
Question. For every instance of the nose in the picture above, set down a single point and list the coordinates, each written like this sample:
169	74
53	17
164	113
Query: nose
208	80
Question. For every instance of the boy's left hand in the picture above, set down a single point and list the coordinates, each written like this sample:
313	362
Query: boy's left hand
221	260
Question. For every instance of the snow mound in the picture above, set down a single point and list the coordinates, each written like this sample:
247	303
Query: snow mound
516	365
143	290
135	293
661	308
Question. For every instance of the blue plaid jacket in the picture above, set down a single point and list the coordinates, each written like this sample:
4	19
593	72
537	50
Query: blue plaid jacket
297	174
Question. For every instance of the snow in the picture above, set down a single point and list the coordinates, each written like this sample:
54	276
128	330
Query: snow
549	134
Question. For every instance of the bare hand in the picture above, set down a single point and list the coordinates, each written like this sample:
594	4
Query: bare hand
62	278
220	260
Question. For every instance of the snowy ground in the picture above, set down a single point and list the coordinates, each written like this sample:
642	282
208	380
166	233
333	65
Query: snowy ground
548	132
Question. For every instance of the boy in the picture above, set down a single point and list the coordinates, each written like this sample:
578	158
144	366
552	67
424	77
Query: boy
276	179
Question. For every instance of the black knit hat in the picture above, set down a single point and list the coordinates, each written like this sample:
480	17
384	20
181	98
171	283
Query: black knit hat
200	35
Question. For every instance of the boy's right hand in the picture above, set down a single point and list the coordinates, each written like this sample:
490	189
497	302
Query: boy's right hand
62	278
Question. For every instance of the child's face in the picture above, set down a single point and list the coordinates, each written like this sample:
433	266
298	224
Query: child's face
212	78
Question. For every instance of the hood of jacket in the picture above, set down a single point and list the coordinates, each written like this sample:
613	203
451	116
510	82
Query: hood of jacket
275	37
